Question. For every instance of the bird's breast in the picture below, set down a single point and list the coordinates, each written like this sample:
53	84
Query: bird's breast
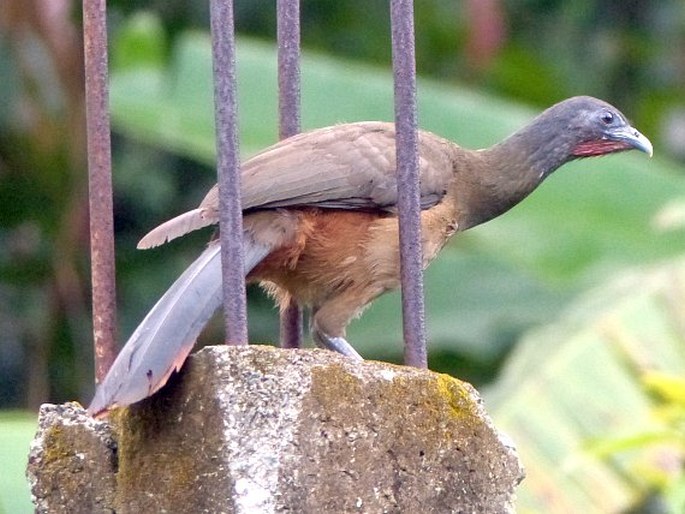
330	251
326	254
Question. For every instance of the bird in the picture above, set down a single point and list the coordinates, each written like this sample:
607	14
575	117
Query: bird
320	225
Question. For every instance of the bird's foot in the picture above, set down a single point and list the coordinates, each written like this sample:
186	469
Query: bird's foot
336	344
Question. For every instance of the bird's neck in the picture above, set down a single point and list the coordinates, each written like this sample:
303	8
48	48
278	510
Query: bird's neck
512	169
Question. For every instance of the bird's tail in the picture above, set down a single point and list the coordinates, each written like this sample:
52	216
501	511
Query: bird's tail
163	340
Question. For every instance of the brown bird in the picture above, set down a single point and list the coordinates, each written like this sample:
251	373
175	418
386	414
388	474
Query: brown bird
320	225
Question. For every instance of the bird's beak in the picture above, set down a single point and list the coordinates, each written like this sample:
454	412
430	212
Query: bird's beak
632	138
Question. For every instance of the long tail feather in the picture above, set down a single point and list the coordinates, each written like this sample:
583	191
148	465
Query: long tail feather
164	338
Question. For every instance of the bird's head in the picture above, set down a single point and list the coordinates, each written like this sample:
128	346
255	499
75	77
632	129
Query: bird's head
575	128
586	127
578	127
597	128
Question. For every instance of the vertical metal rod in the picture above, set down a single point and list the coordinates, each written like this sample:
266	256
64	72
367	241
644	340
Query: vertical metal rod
406	140
100	185
228	170
288	30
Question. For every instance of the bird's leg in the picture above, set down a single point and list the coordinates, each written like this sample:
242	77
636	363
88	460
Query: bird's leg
321	334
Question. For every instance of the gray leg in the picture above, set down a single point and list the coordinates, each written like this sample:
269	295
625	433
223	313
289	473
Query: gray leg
336	344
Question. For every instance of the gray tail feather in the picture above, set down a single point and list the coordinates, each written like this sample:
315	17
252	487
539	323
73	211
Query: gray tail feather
164	338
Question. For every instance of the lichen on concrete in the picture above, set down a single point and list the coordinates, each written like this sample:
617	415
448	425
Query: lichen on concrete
403	444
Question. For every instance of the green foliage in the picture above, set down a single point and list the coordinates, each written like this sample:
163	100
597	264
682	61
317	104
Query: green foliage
16	431
573	397
656	457
141	42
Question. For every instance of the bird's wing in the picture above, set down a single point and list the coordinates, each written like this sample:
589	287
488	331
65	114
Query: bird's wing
348	166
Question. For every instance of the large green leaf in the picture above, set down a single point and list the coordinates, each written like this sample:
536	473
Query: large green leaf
591	218
578	381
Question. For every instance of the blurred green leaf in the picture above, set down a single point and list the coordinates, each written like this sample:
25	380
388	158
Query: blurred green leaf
658	454
577	382
16	432
606	447
141	43
543	80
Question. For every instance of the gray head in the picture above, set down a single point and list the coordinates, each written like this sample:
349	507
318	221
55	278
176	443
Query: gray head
578	127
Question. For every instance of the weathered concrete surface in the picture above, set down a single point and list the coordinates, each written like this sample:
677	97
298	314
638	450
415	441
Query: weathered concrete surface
72	462
258	429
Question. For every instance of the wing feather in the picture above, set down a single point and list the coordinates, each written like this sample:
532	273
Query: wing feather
348	166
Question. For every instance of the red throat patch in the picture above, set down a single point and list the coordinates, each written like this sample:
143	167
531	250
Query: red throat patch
599	147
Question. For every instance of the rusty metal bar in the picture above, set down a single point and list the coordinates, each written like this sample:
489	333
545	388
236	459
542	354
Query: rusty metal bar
288	30
288	67
100	185
406	140
228	170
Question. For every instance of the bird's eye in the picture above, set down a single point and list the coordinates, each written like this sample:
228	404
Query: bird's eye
607	117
